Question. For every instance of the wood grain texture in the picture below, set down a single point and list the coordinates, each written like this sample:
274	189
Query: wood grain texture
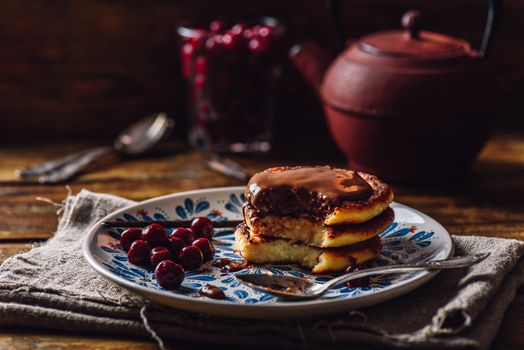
10	249
75	65
487	202
31	340
510	335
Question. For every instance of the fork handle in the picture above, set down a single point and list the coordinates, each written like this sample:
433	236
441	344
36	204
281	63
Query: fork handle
46	167
75	166
451	263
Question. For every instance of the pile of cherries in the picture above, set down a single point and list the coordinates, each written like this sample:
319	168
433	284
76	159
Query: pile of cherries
232	73
204	44
170	255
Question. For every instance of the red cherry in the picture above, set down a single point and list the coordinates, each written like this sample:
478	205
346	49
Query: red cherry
184	234
264	31
191	257
159	254
200	81
205	246
216	26
229	41
186	53
211	44
201	65
175	245
169	274
202	227
258	45
219	39
248	34
154	234
238	28
138	253
129	236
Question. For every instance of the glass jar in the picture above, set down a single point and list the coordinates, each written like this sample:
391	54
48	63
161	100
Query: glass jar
232	73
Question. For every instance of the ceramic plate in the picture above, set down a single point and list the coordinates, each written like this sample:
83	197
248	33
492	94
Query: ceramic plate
412	237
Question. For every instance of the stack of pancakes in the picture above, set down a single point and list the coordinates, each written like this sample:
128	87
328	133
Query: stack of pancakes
323	218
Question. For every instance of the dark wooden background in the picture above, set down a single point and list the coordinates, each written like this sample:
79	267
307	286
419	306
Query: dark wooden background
85	68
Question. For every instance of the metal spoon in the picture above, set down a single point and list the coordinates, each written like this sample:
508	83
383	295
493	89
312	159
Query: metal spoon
138	138
295	288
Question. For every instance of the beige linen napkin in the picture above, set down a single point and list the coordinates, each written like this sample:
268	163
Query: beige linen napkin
53	287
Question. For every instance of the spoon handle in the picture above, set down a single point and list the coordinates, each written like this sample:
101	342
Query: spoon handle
75	166
46	167
451	263
227	167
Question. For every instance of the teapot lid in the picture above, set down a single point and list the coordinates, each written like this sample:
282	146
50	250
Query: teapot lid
412	44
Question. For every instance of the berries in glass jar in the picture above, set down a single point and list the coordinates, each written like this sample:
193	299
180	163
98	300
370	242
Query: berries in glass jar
202	227
258	45
242	53
138	253
217	26
200	81
205	246
169	274
212	45
200	65
129	236
264	31
190	257
238	28
248	34
197	39
187	52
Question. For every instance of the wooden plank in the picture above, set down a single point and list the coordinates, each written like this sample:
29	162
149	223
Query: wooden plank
485	203
510	335
22	339
10	249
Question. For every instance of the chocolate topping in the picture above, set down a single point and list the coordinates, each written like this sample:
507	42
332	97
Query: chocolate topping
304	191
228	265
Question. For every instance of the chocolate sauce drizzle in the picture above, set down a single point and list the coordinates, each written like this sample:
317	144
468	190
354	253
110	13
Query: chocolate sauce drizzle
212	292
228	265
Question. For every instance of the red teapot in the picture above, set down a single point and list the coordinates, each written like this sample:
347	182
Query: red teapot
409	105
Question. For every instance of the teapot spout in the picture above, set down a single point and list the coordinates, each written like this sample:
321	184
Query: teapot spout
312	61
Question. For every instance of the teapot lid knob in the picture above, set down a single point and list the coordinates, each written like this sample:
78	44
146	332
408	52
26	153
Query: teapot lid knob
412	22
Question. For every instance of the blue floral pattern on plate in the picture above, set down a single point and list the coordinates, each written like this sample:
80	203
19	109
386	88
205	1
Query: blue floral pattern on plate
403	241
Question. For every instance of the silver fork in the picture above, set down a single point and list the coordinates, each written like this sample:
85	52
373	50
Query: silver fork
295	288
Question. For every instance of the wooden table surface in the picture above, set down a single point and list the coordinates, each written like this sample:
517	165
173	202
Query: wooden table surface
488	202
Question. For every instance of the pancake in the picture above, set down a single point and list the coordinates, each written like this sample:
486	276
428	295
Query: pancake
321	194
261	250
364	210
317	234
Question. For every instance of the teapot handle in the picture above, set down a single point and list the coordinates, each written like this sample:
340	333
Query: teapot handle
494	16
